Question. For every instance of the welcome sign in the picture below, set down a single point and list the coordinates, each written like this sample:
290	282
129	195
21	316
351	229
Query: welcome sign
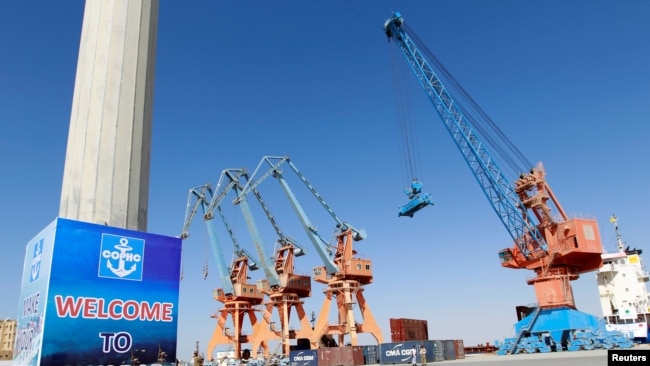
98	295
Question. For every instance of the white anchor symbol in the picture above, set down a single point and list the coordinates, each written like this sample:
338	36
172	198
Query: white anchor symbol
36	261
120	271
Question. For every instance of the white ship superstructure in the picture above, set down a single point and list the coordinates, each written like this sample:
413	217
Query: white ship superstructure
623	293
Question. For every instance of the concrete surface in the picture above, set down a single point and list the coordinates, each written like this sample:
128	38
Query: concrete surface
106	174
577	358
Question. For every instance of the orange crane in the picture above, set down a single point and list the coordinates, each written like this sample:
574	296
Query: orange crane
284	288
345	274
558	249
237	295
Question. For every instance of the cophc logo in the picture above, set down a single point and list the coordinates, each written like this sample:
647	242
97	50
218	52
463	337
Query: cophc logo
121	257
35	271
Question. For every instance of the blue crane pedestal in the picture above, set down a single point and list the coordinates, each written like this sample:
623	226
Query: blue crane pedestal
561	329
98	295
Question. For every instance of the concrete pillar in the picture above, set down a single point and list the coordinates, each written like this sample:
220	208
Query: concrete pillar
106	174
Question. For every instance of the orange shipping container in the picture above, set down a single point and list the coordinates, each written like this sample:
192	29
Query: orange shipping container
403	330
340	356
459	346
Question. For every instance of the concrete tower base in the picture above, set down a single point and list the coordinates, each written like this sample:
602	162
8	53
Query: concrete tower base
106	175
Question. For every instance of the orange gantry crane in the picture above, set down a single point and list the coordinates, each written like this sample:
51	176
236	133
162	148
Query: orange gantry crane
237	295
285	288
344	274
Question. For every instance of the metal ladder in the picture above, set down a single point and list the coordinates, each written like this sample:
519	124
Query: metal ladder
525	329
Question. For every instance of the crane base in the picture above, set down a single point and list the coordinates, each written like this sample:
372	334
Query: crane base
561	329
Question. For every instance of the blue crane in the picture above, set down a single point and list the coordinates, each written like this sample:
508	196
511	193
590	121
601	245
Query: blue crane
499	192
557	249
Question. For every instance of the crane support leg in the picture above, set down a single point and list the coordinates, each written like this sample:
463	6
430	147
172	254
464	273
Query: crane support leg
305	330
262	332
347	293
322	324
285	304
218	336
369	323
237	310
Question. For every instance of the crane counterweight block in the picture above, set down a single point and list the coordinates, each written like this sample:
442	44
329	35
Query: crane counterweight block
357	234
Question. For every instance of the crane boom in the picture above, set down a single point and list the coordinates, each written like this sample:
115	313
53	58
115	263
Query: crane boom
236	185
200	197
342	272
275	163
359	234
499	192
239	251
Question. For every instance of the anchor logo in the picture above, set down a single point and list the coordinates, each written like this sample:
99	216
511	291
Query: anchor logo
123	247
121	257
36	261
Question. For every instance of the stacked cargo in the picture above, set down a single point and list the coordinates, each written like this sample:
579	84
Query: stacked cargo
402	330
370	355
337	356
402	352
303	358
459	346
438	351
386	354
450	349
328	356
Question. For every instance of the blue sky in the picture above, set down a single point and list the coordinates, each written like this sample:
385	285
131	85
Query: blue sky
568	81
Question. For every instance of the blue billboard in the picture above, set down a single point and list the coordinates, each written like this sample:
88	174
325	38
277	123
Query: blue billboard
98	295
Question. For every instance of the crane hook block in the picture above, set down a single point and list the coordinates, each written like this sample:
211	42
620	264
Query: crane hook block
417	199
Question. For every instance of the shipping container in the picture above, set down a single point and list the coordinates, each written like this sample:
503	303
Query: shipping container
459	345
402	352
340	356
302	344
438	350
402	330
370	355
450	349
303	358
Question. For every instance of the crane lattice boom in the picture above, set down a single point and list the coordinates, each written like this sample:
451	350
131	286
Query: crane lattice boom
558	250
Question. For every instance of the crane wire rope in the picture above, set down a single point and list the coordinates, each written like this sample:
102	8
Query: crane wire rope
406	125
233	228
486	127
182	274
206	239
